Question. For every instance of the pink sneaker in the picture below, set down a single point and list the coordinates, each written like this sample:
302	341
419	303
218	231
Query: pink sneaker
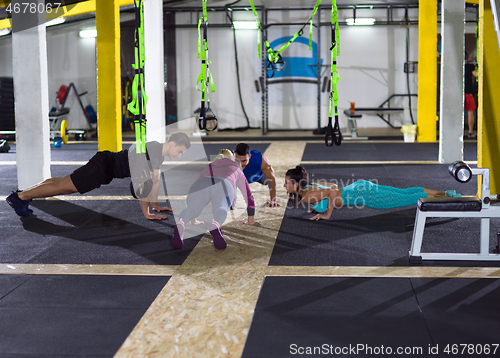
177	241
219	241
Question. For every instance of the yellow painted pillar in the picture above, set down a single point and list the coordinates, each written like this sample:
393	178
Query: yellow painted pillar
488	125
109	116
427	70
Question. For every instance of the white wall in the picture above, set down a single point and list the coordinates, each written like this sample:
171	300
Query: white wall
70	59
6	56
370	68
225	100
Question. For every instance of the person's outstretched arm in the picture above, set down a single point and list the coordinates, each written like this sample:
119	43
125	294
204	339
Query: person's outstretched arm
268	172
332	194
155	191
153	196
242	184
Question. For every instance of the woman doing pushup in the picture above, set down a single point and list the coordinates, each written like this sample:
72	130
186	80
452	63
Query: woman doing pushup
322	199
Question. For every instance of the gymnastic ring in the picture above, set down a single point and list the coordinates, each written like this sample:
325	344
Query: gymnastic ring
64	131
460	171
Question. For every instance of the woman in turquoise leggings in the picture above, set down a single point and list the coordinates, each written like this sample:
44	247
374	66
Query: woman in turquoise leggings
323	199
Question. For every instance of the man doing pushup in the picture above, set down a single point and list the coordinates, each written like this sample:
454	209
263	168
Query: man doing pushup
257	168
102	168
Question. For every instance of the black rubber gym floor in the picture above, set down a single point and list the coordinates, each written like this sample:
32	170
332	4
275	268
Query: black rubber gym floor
374	151
87	232
371	237
71	315
370	317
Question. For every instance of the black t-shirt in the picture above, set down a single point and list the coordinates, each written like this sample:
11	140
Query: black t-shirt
469	78
138	163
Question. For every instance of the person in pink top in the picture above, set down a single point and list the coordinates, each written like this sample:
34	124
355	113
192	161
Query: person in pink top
217	184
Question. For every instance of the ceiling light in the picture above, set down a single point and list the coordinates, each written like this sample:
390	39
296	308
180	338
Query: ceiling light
88	33
56	21
245	25
360	21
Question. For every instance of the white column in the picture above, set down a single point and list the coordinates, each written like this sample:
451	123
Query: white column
451	120
29	65
155	83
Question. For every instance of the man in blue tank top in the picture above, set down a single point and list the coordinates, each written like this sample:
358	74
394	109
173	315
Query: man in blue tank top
257	168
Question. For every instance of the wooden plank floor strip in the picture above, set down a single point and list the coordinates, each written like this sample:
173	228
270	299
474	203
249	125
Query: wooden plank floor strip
206	308
67	269
383	271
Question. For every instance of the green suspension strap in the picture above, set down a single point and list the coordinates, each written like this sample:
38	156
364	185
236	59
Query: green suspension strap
205	83
139	99
275	61
333	134
141	183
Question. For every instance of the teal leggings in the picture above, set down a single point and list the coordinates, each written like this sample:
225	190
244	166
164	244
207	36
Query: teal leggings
365	193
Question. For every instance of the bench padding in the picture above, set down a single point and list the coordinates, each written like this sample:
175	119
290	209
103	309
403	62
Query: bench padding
450	204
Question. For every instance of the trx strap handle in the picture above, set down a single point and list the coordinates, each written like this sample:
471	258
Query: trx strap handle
141	183
205	83
139	99
275	61
333	134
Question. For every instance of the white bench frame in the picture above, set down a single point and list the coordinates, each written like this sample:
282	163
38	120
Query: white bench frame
485	214
352	125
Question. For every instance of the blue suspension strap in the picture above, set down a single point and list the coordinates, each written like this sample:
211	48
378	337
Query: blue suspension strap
333	134
205	82
274	60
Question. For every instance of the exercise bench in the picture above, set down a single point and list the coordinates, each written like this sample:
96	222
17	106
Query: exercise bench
471	207
352	126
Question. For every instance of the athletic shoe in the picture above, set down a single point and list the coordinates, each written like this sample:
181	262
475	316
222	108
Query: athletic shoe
471	136
450	192
177	241
20	206
219	241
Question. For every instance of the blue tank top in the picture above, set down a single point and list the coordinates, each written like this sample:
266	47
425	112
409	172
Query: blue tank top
253	170
322	206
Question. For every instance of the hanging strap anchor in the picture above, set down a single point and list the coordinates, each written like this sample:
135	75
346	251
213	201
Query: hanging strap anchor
139	99
274	60
333	134
205	83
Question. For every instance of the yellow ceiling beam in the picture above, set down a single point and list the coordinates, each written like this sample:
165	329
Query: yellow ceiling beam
472	1
63	11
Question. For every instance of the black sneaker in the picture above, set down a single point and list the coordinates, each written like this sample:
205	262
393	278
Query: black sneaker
20	206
